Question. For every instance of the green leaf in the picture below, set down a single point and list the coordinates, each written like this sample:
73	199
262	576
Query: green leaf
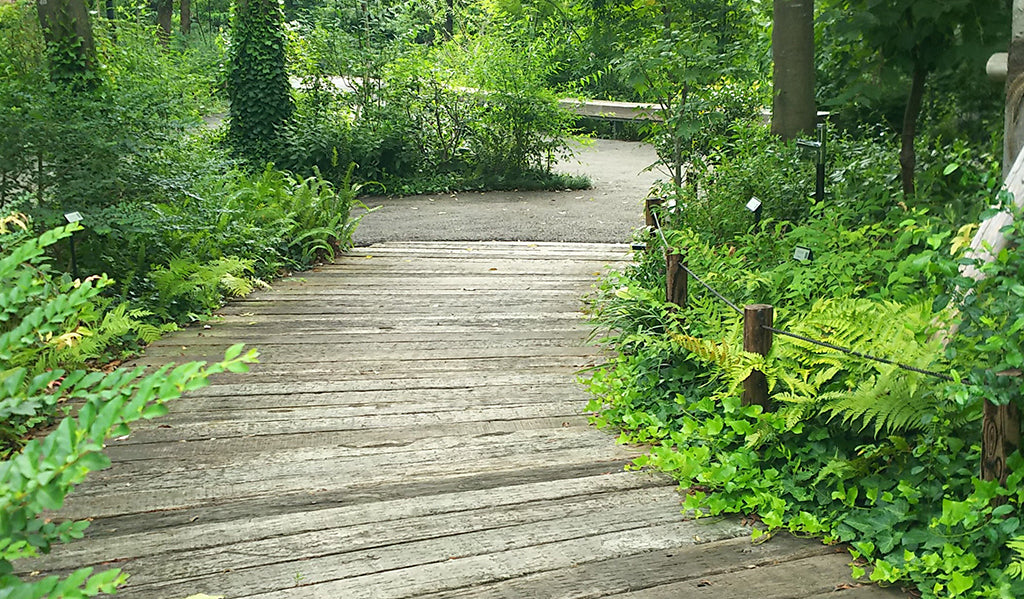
234	351
959	584
154	410
49	497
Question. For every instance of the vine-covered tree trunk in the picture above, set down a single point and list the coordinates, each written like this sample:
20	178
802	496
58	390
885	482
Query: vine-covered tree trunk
258	87
164	15
908	156
186	17
69	43
793	109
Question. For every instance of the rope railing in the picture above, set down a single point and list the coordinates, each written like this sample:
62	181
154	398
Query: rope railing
689	272
758	392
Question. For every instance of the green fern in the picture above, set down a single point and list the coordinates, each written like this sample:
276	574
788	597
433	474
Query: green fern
807	379
1015	568
882	397
188	288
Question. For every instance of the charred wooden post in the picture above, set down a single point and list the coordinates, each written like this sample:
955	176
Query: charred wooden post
675	278
757	339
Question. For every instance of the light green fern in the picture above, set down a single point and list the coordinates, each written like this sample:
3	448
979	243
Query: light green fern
807	379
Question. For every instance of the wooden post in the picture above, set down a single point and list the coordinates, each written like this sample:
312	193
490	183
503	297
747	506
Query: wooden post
758	340
1000	437
650	205
675	278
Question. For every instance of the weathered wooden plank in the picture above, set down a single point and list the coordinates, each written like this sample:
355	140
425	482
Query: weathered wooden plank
243	384
180	490
217	427
363	497
411	307
467	262
462	282
383	340
500	248
639	571
296	332
203	534
511	557
463	560
521	320
478	350
339	368
283	463
790	579
408	539
862	591
174	447
388	401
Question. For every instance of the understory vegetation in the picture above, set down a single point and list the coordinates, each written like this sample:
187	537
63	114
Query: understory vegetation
852	450
110	119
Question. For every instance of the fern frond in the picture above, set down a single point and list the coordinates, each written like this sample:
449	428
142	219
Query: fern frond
720	354
235	286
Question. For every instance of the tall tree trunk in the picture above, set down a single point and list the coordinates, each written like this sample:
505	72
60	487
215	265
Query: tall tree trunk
186	17
793	109
111	15
908	157
164	15
69	43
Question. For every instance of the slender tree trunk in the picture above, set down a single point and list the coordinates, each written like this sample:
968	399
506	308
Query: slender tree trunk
908	157
69	43
186	17
793	109
164	15
449	19
111	15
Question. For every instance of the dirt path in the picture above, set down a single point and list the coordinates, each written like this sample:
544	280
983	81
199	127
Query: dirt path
606	213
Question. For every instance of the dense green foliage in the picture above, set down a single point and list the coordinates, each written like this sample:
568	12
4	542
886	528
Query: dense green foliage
167	213
45	317
853	450
475	112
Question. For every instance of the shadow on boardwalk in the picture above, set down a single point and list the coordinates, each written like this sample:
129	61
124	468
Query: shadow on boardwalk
413	430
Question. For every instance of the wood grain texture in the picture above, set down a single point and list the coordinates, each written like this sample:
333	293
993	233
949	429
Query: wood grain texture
414	429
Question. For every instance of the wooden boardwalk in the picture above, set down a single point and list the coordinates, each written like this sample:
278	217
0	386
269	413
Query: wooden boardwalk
413	430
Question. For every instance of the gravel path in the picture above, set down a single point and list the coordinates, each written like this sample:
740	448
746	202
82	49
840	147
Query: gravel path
606	213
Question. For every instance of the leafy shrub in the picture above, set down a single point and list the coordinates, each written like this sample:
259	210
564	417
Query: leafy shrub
854	451
521	129
72	150
38	319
